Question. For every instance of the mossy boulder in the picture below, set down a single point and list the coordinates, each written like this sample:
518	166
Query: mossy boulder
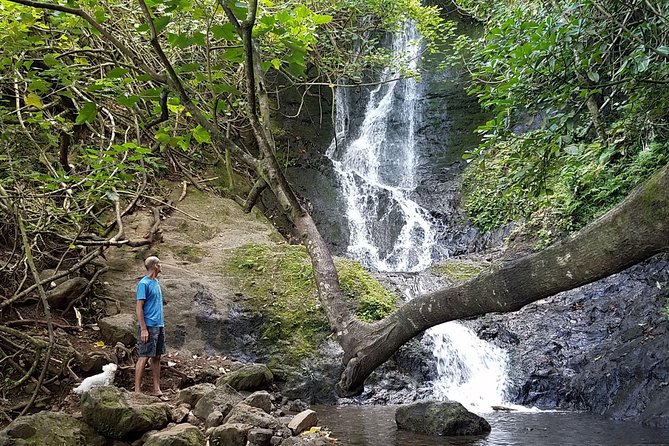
191	395
117	413
222	398
179	435
49	429
448	418
248	377
245	414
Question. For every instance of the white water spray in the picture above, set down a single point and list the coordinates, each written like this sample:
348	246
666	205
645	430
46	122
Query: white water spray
389	231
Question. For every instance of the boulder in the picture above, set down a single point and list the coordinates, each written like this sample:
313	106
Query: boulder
119	414
261	400
308	441
120	328
49	429
179	413
303	421
61	296
214	419
245	414
448	418
230	435
248	377
221	398
178	435
191	395
260	437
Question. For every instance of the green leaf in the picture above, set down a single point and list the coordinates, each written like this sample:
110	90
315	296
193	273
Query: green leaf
201	135
128	101
161	22
226	32
321	19
593	76
663	50
33	100
87	113
50	60
117	72
100	15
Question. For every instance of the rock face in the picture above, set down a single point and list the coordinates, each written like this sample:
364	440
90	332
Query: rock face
117	413
49	428
603	347
245	414
119	328
249	377
448	418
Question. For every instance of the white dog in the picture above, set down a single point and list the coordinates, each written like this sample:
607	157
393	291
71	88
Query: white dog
105	378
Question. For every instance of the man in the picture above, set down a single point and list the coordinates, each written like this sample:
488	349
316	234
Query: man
151	342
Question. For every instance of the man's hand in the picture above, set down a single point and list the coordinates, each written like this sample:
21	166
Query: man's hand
144	335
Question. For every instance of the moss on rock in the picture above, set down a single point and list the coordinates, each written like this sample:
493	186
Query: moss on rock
456	271
278	281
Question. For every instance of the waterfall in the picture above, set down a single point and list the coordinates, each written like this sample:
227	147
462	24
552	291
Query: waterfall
376	169
375	162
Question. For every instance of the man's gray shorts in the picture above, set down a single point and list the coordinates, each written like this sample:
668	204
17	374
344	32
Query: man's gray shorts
155	346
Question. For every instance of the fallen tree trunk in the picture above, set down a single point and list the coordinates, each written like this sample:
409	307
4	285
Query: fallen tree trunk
634	230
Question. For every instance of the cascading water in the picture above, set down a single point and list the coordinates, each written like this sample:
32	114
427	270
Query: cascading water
376	167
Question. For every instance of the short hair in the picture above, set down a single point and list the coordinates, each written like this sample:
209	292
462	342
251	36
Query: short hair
150	262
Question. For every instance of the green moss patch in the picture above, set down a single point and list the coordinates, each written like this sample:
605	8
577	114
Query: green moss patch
278	281
458	271
190	253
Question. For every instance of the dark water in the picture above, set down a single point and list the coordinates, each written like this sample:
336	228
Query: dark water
375	426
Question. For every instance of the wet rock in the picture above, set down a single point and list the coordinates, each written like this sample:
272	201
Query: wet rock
49	429
308	441
303	421
222	399
61	296
178	435
119	414
119	328
448	418
230	435
248	377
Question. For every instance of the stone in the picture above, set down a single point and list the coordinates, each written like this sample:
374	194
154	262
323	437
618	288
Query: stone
260	437
61	296
178	435
230	435
214	419
303	421
179	413
119	414
261	400
448	418
221	398
191	395
248	377
245	414
120	328
312	441
49	428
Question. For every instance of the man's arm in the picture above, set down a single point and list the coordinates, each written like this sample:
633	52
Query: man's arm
143	332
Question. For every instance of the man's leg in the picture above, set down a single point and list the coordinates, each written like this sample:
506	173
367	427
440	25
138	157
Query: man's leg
139	372
155	372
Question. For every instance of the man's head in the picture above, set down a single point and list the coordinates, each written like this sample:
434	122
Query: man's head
152	265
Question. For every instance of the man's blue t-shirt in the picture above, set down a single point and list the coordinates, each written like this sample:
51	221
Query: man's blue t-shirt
148	290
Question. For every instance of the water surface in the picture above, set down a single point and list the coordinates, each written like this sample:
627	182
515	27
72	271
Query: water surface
375	426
